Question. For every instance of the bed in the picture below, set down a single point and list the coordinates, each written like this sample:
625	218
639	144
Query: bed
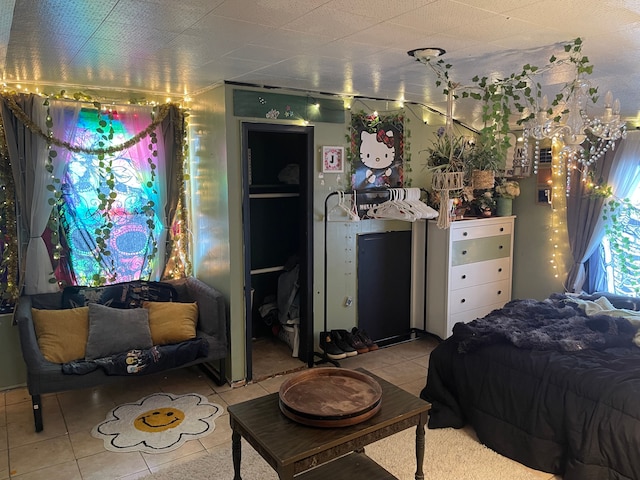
552	384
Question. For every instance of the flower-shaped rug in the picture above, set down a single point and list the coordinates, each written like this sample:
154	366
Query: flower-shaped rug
158	423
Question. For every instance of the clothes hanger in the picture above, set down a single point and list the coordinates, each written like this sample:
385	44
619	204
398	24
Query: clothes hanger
392	209
344	209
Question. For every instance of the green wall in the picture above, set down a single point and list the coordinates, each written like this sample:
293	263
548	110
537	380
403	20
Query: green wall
217	213
14	371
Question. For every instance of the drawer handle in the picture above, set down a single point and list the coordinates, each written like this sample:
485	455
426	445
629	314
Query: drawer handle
499	292
464	234
462	301
499	270
464	252
500	247
502	229
463	277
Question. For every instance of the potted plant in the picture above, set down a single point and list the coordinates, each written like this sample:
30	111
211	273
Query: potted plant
446	158
506	191
448	153
481	165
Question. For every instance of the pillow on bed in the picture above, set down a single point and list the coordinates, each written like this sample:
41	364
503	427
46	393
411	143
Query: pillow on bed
172	322
62	334
116	330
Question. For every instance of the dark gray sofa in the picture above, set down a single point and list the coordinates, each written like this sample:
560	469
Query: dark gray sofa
46	377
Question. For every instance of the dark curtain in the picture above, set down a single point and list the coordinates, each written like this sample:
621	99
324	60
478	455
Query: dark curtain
173	131
585	226
584	213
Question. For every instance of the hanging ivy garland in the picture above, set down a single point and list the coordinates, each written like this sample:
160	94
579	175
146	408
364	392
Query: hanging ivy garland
163	110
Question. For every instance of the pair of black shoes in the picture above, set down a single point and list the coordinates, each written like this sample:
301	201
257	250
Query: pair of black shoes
365	344
339	344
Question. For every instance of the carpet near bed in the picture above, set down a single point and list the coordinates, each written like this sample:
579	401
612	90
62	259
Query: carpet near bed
449	454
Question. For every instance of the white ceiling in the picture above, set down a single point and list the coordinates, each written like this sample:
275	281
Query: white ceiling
345	47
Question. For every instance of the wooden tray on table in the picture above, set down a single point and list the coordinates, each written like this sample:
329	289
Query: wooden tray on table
330	397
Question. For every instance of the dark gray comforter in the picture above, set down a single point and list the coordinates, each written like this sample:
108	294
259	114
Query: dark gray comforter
567	406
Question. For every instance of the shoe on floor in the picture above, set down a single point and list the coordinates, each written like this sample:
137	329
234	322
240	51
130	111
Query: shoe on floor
354	341
371	345
330	349
341	341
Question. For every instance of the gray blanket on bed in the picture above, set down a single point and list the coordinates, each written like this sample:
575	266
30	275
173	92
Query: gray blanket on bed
550	324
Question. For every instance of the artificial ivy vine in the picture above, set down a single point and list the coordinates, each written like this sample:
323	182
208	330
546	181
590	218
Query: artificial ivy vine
519	92
54	187
162	112
618	215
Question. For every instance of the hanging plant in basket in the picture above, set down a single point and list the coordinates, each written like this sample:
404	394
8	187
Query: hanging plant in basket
446	158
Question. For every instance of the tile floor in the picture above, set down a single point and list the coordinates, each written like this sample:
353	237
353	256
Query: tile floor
65	450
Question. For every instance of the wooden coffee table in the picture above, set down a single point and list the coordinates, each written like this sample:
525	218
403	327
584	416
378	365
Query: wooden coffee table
292	448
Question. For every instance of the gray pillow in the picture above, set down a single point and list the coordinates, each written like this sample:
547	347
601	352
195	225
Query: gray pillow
116	330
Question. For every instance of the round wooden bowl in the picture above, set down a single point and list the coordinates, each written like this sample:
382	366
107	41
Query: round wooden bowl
330	397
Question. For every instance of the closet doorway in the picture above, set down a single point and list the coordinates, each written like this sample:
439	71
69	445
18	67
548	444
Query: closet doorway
278	247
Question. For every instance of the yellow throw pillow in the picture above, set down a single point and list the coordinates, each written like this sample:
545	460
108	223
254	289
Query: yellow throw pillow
62	334
172	322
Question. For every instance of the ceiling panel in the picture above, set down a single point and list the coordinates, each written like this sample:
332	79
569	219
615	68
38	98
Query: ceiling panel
355	47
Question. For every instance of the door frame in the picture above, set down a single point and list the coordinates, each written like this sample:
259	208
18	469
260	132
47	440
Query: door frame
306	238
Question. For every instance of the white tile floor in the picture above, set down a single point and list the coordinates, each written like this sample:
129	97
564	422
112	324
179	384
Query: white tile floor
65	449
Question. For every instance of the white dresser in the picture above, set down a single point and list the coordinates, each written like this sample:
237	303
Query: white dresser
468	271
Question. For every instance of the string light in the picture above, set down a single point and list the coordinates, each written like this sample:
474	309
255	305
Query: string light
557	226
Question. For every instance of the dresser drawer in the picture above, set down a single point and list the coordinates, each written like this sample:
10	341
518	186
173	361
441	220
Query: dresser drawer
478	296
479	231
480	249
471	274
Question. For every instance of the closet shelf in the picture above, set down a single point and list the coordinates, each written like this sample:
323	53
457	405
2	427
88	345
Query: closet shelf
280	188
274	195
258	271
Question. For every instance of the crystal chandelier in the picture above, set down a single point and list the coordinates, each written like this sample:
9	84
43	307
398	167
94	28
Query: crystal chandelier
585	139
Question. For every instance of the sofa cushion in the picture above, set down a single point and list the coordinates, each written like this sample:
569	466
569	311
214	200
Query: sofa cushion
172	322
116	330
62	334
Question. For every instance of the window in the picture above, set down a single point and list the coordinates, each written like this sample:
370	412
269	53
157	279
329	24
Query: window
108	217
621	250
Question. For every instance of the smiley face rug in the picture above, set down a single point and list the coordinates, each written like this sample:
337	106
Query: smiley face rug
158	423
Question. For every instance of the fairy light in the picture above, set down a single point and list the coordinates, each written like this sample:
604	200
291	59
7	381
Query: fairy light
557	227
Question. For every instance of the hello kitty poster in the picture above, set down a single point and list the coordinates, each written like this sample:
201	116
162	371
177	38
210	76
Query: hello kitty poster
377	145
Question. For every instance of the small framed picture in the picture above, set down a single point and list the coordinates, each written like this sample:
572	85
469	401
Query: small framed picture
332	159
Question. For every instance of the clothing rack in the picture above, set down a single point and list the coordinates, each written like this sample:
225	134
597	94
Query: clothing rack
323	356
380	194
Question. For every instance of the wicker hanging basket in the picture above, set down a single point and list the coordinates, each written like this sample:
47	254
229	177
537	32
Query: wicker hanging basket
443	183
447	180
482	179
